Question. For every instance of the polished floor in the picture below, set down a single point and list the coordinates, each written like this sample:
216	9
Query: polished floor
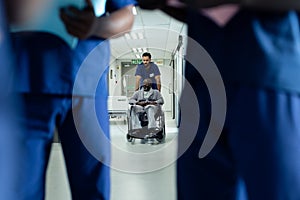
139	171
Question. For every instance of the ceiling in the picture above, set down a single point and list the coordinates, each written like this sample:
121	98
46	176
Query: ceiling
153	31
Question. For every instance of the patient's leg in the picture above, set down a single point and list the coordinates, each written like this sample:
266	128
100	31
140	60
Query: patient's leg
151	110
136	124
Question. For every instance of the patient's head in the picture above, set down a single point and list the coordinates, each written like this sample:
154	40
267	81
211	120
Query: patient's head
147	83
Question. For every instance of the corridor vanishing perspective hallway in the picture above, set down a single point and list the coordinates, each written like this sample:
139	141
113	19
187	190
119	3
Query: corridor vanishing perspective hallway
142	172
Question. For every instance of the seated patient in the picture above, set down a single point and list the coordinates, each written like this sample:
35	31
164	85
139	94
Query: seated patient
145	100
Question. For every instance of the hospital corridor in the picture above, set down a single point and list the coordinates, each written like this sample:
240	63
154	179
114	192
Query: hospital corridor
140	169
149	100
140	180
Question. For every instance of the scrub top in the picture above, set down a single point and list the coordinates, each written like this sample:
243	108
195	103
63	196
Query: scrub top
150	73
10	138
47	64
254	48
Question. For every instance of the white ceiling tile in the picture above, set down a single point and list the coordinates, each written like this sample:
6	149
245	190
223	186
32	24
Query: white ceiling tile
160	35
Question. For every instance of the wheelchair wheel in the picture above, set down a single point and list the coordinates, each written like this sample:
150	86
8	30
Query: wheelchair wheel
161	135
129	138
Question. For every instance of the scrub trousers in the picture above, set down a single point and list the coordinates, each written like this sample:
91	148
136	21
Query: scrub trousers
89	178
257	156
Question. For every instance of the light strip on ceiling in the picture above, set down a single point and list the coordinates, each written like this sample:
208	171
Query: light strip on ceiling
134	36
139	50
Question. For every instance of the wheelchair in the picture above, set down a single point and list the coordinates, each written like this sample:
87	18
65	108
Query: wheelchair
144	133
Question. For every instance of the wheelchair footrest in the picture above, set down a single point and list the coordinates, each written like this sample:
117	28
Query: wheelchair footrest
145	133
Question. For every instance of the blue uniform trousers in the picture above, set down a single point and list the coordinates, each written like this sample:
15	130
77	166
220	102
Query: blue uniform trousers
88	177
257	154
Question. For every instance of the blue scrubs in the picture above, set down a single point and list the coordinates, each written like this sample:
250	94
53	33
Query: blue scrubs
150	73
10	138
258	56
46	72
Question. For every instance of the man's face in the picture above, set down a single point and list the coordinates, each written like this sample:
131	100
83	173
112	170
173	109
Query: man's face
146	61
147	86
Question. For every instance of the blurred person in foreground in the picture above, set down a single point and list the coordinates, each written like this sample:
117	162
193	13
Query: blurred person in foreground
12	12
58	89
256	47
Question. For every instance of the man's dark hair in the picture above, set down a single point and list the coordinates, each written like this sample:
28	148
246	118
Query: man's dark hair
146	54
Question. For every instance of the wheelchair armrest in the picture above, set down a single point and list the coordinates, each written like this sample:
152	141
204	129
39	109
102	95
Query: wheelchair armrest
130	109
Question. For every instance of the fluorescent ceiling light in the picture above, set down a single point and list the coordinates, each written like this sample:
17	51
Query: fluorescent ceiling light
134	36
137	55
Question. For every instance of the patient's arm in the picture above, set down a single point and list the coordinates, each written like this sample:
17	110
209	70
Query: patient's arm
160	99
137	82
142	103
134	99
152	103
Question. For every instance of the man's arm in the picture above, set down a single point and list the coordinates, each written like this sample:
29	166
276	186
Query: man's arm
83	23
178	12
134	98
160	99
272	5
268	5
157	99
137	82
158	82
208	3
